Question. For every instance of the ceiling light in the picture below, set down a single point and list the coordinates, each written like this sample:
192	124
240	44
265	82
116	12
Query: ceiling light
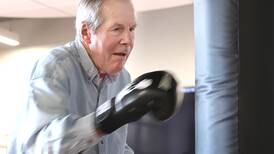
8	37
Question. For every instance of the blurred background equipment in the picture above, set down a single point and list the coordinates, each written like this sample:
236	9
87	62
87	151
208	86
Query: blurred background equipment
176	136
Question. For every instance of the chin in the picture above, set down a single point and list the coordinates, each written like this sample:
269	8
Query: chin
115	70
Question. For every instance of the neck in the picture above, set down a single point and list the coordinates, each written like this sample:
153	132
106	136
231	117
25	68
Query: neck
102	75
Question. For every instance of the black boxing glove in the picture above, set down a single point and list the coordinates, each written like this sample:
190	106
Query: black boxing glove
154	92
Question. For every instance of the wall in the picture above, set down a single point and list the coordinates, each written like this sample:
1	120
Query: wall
165	40
40	32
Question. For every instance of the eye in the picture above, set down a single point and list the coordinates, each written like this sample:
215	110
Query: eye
132	29
117	29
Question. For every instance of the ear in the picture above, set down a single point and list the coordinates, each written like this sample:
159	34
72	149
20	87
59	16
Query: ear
86	33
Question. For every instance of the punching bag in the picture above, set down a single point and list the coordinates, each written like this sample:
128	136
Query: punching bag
217	76
234	77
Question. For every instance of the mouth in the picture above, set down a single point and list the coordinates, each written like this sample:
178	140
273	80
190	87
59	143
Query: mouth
120	54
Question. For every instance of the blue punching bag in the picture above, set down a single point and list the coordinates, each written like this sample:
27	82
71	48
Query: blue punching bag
217	76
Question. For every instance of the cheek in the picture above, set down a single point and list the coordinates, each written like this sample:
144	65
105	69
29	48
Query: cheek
111	46
94	41
132	38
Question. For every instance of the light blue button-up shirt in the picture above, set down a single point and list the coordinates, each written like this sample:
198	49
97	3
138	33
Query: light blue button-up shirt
65	91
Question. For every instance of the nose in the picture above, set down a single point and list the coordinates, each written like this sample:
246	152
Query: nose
127	37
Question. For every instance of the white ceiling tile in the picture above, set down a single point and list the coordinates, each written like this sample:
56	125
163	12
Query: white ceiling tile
67	8
36	13
146	5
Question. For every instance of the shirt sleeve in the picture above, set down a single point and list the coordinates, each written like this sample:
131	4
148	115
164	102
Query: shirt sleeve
128	150
48	127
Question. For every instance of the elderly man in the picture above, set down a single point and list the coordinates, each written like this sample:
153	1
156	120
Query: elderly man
75	103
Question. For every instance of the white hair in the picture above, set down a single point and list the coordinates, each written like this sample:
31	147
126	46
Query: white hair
88	11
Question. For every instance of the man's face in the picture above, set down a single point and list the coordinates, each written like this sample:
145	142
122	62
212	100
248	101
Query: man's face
113	41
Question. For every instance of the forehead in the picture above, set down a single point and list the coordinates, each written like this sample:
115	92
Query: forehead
118	11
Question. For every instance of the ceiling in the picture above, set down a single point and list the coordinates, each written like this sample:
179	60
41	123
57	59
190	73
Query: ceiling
67	8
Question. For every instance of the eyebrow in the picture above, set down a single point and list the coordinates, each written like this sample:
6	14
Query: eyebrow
117	24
